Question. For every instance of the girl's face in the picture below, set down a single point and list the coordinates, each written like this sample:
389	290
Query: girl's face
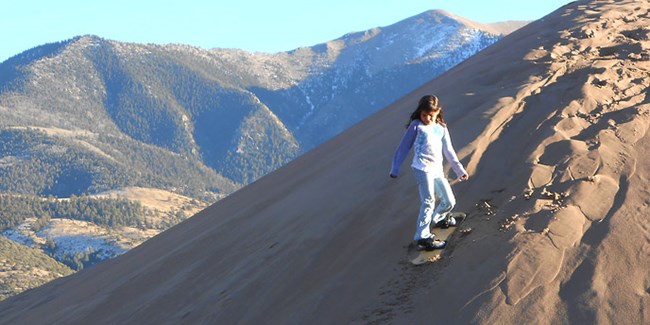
428	117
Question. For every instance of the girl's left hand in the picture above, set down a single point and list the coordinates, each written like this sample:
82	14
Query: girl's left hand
464	177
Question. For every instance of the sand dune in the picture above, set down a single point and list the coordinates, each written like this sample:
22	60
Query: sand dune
551	123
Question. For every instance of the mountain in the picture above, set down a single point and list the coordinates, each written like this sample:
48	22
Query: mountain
23	268
240	114
104	144
551	123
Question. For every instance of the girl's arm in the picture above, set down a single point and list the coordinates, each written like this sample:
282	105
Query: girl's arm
403	148
450	153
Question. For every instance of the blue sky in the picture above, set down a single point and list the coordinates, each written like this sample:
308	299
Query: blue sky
252	25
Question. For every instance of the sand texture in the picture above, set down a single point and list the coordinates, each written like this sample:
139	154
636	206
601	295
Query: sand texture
551	123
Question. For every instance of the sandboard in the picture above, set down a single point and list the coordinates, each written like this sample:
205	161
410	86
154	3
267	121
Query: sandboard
425	257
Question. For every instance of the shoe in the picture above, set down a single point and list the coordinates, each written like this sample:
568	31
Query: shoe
429	244
444	224
448	222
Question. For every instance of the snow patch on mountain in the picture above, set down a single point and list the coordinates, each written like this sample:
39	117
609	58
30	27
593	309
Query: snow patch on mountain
67	239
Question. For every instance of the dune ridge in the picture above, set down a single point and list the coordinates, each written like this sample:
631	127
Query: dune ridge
551	123
572	140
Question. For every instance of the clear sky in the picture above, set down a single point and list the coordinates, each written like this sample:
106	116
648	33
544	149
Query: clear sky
252	25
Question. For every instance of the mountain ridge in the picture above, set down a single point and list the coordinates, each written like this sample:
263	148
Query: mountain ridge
304	88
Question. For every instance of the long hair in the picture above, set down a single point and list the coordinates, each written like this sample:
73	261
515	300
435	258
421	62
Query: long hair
427	104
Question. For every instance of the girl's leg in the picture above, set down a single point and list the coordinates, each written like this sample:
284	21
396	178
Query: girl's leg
445	195
425	187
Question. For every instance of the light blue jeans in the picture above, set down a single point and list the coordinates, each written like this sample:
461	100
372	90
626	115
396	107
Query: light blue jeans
431	185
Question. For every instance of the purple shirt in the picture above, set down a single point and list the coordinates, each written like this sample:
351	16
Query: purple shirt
430	142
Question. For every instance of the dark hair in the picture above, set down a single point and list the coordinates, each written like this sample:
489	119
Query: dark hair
428	103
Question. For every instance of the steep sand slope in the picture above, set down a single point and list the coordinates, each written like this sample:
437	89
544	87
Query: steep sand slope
556	116
551	123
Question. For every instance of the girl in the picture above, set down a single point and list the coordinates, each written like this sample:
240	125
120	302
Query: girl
428	132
